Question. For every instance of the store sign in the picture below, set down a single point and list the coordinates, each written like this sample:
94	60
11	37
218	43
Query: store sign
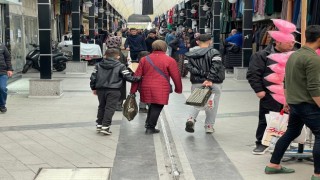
19	2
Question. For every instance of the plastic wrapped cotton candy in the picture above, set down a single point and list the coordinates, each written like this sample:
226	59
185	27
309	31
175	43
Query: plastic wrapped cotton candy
277	89
281	36
277	68
280	98
280	58
284	26
318	51
275	78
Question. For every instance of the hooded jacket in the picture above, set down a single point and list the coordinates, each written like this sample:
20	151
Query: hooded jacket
205	64
110	74
136	43
5	60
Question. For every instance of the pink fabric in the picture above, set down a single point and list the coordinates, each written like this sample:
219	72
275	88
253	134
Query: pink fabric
318	51
153	87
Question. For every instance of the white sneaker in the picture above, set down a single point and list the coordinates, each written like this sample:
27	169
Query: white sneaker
106	130
209	128
99	127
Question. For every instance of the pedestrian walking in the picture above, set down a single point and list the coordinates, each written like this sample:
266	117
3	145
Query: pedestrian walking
135	43
206	69
105	82
6	71
156	69
257	71
302	87
170	37
152	37
179	48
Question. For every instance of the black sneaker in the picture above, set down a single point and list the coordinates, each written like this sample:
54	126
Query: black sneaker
152	131
260	149
190	125
3	109
99	128
143	110
106	130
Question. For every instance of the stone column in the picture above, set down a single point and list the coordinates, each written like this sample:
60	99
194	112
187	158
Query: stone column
91	20
202	17
216	24
240	72
45	86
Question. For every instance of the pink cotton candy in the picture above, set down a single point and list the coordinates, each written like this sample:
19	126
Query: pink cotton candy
318	51
277	68
279	98
275	78
277	89
284	26
281	36
280	58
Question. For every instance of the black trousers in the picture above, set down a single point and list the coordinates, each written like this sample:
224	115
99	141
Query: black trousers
134	55
108	99
153	115
266	105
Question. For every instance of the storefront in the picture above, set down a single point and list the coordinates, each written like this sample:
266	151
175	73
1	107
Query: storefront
18	21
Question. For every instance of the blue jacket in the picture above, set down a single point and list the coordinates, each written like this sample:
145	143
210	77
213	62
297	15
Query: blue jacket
135	43
236	39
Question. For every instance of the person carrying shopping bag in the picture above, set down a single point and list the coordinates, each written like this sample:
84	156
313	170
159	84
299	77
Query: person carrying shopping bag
156	70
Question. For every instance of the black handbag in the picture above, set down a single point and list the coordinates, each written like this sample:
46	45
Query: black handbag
199	97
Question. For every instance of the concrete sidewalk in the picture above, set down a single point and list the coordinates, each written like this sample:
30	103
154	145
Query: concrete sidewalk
60	133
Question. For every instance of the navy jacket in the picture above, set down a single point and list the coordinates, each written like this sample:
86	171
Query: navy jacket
136	43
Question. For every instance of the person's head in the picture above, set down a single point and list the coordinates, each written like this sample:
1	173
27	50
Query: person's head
196	36
313	36
173	31
112	53
190	30
159	45
133	31
233	32
152	33
142	54
204	40
239	30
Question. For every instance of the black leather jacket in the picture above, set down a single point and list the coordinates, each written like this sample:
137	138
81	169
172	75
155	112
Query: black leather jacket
109	74
205	64
258	69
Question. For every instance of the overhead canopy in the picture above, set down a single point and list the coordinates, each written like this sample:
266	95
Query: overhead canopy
139	18
129	7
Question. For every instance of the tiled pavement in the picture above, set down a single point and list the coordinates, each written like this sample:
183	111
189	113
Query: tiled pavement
37	133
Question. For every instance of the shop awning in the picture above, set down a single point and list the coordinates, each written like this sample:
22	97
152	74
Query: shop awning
129	7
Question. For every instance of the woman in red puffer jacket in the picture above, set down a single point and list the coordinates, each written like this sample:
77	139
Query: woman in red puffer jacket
155	87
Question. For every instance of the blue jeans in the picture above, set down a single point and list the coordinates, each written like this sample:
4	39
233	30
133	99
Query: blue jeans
300	114
3	90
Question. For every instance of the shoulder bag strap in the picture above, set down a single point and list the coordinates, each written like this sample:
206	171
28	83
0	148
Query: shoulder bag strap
157	69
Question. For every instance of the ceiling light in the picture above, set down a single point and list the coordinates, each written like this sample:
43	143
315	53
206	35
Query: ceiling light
107	12
101	10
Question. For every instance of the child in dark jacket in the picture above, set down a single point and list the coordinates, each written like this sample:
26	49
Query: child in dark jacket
106	81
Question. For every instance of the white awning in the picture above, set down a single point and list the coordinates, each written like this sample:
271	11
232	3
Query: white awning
19	2
128	7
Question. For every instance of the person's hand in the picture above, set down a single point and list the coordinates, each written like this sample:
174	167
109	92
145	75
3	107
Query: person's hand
207	83
9	73
94	92
261	94
286	108
128	49
178	49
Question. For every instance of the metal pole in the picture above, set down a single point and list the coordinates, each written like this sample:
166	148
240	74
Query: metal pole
44	22
100	16
76	30
247	33
91	20
216	24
